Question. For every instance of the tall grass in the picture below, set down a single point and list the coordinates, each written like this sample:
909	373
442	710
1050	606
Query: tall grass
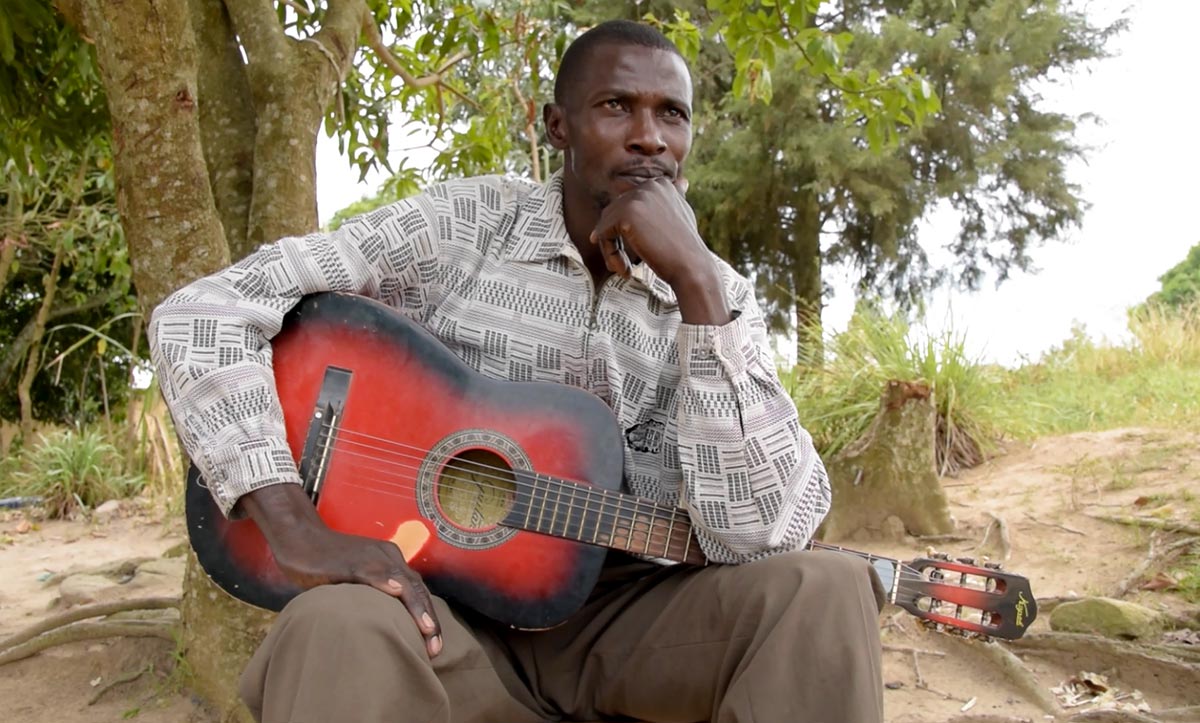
837	384
73	471
1154	380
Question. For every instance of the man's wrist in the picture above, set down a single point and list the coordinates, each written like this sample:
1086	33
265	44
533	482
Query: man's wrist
701	296
279	510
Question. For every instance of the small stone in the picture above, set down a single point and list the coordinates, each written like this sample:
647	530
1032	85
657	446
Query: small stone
83	589
107	510
893	685
1106	616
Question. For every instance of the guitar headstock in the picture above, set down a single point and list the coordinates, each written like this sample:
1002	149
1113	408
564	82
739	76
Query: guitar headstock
960	596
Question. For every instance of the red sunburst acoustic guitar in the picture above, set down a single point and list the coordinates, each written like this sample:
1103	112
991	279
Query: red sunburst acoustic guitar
504	496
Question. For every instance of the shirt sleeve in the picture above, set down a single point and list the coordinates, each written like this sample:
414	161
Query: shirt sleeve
753	483
209	341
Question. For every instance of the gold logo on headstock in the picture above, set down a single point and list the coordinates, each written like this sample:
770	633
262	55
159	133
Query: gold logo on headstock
1022	608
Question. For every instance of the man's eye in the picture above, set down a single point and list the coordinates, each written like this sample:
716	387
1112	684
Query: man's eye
675	113
612	103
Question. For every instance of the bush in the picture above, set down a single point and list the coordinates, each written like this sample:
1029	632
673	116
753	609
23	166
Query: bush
837	385
73	471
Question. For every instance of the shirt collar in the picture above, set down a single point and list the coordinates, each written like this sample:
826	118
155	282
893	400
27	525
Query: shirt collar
540	234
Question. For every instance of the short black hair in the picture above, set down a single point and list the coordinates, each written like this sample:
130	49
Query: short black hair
610	32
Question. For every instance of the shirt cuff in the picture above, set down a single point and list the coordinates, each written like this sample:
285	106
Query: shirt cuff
236	470
716	352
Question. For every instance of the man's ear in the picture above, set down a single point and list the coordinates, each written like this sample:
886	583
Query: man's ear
555	118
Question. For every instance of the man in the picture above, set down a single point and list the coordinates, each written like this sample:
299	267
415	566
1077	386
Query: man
598	279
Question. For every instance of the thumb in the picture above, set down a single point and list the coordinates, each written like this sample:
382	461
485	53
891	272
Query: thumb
681	185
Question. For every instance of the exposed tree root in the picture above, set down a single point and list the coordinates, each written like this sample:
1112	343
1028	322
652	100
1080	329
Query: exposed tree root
120	680
87	631
1111	716
83	613
1014	670
1186	713
904	649
1183	659
1001	527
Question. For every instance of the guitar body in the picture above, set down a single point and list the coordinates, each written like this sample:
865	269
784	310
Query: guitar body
417	448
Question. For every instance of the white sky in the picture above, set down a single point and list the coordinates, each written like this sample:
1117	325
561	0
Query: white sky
1141	179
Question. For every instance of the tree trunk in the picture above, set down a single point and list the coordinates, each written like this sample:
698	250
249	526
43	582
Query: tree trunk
227	123
11	237
885	485
147	57
34	357
806	275
184	116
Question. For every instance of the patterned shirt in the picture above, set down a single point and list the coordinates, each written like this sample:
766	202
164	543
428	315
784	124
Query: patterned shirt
487	266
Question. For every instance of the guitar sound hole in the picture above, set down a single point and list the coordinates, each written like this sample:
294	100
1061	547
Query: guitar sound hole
475	489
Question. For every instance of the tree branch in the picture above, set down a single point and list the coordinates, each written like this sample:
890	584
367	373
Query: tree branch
375	42
16	350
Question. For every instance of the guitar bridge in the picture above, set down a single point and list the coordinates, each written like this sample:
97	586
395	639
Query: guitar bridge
322	429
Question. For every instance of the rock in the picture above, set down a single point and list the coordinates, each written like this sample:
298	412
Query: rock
162	576
1106	616
107	510
83	589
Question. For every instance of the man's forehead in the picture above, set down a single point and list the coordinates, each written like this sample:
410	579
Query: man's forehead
636	69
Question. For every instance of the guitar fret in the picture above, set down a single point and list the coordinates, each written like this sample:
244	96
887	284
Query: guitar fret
670	531
570	511
649	535
529	505
542	509
554	511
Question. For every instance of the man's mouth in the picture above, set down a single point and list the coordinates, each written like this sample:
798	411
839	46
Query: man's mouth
641	174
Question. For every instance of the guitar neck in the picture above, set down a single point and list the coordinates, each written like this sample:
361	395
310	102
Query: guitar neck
619	521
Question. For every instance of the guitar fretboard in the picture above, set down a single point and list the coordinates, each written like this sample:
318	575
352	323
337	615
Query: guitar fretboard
574	511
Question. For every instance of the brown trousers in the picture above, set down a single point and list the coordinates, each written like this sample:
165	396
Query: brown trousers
790	639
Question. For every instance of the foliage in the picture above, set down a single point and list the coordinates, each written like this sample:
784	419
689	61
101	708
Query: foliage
838	392
73	471
50	93
66	208
783	188
1180	284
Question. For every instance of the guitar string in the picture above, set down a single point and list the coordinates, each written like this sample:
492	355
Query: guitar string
651	532
609	497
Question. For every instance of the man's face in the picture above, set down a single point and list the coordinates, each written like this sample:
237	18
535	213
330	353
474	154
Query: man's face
627	120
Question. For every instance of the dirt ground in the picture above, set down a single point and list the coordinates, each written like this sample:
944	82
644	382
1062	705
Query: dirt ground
1050	496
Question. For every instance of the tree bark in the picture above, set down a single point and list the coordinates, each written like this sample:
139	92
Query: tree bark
288	112
227	123
885	484
147	57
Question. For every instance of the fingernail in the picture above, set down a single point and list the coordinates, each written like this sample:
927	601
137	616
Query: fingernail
394	583
435	645
426	620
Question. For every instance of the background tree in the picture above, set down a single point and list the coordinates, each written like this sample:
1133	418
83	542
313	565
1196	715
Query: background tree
1180	284
785	188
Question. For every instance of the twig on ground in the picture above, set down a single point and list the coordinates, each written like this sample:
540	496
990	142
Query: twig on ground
1177	660
904	649
1001	528
921	684
1152	522
1072	530
121	680
988	718
943	538
1154	556
83	613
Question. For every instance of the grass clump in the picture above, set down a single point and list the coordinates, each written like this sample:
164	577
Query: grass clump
72	471
837	385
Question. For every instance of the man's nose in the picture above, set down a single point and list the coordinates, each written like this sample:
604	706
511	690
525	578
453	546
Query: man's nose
645	136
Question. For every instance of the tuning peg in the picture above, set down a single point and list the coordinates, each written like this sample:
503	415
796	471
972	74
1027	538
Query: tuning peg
993	565
941	556
967	560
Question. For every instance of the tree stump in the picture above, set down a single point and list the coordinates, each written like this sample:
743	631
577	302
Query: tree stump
220	633
885	484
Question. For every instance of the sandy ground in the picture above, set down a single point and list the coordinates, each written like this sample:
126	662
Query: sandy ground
1049	495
